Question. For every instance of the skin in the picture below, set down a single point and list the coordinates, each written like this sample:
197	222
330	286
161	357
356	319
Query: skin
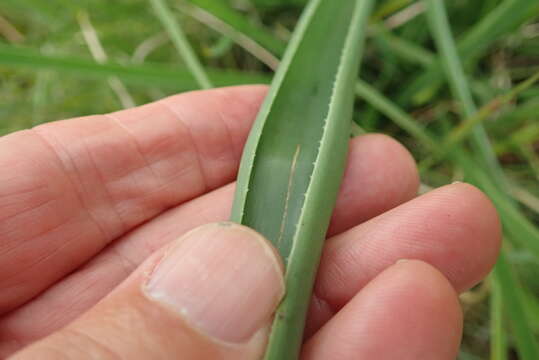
88	206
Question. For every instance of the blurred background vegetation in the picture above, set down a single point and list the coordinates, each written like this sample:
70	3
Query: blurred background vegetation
63	58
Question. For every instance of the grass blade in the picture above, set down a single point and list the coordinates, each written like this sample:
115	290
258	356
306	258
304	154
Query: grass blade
177	79
407	51
439	24
241	24
399	116
525	197
515	223
294	159
212	21
98	53
463	130
181	43
498	338
389	8
522	230
507	16
513	296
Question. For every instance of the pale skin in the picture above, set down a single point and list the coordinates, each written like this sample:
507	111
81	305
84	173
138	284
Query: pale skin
90	207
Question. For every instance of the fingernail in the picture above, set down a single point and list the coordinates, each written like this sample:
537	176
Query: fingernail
223	279
401	261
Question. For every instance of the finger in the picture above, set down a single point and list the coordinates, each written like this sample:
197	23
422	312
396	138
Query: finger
409	311
381	174
69	188
441	228
359	198
211	296
371	157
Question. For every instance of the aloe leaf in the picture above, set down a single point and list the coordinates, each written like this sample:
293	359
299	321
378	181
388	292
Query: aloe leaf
294	158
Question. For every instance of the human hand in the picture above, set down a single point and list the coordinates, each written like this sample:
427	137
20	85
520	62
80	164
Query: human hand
97	259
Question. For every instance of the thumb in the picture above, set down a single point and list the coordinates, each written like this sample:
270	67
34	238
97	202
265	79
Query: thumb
210	295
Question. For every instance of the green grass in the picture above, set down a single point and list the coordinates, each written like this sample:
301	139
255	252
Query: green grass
457	90
176	34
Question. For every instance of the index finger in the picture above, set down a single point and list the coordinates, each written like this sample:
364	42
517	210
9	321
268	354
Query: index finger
67	189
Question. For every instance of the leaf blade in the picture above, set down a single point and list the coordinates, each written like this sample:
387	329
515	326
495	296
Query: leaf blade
493	26
181	43
178	78
295	157
226	14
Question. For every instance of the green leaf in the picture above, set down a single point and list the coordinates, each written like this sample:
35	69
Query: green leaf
513	296
463	130
390	7
278	3
396	114
521	230
439	24
178	79
222	11
507	16
498	335
181	43
515	222
524	136
493	180
294	159
406	50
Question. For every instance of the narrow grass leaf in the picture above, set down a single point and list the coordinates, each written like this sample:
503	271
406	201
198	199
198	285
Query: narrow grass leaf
405	49
524	136
493	182
222	11
441	31
520	229
507	16
526	198
294	159
99	54
181	43
513	296
465	128
498	335
390	7
460	132
234	35
515	223
392	111
178	79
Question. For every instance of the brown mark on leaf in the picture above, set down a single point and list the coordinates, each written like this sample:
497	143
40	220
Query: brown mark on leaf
288	192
